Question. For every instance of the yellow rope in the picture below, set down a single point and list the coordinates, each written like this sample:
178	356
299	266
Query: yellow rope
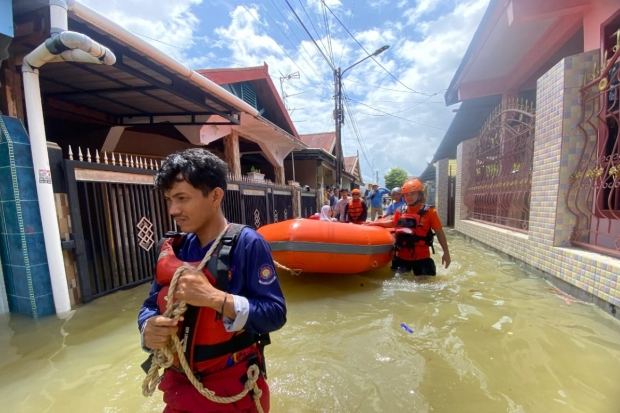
293	272
164	357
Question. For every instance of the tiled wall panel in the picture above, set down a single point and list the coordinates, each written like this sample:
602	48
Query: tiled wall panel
546	245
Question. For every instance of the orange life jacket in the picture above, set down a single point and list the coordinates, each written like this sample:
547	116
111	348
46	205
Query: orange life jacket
411	233
355	209
206	342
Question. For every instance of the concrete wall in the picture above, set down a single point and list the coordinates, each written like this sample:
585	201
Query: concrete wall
305	172
546	246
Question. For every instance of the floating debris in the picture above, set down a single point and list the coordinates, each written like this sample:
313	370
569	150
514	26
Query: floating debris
406	328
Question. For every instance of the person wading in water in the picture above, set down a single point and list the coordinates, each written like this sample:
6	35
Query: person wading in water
232	303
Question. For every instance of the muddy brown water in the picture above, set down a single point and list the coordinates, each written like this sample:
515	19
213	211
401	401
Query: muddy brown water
487	337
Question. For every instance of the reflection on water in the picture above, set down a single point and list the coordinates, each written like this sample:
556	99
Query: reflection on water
486	338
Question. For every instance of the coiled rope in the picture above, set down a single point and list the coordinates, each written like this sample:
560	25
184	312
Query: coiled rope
164	357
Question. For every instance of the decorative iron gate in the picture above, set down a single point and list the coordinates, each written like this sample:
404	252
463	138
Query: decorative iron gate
117	219
499	190
308	204
594	194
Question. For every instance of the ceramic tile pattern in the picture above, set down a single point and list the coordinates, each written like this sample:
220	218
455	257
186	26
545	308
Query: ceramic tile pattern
22	248
441	193
546	245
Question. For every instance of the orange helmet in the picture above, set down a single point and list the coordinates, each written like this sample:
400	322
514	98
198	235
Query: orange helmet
412	186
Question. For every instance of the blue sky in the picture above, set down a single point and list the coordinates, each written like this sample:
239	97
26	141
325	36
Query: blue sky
393	119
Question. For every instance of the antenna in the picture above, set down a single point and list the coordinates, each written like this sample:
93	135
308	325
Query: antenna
289	76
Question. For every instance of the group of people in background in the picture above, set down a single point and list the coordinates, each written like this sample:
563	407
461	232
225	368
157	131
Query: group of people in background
415	223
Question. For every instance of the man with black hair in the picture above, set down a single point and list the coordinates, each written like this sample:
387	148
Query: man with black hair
233	303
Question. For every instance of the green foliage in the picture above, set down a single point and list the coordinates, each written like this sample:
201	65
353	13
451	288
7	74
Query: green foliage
396	176
253	169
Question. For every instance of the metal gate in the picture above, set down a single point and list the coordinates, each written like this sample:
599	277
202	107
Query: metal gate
117	218
451	200
308	204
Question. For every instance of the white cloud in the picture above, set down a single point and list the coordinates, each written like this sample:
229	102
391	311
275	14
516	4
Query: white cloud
423	54
171	22
421	8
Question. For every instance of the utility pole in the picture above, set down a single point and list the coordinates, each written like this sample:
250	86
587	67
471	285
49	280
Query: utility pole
339	114
338	121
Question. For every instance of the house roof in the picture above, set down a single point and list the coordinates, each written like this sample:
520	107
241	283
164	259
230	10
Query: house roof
324	140
258	77
138	86
428	174
534	30
349	164
466	124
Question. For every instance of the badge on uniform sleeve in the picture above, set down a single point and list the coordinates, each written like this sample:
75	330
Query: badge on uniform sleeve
266	274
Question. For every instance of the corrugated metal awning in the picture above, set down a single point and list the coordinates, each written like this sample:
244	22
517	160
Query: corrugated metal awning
138	85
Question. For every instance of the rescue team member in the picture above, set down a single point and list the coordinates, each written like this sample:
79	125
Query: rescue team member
232	304
414	223
356	210
375	197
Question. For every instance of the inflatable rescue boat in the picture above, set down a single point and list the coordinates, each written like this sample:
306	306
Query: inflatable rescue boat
328	247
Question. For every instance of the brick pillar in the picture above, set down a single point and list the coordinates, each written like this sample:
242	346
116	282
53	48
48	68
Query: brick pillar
557	141
464	167
231	153
442	176
296	191
279	173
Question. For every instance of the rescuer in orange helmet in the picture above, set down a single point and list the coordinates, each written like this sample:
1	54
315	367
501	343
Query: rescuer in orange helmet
416	224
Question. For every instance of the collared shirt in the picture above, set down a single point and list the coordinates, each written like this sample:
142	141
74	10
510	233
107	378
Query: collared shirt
340	208
258	299
376	201
392	208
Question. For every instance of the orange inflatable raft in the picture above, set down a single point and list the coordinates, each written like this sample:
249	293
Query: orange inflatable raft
328	247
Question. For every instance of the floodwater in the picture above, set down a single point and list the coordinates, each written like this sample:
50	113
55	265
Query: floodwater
486	337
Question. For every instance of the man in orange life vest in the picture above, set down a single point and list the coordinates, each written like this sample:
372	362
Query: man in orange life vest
233	303
356	210
415	222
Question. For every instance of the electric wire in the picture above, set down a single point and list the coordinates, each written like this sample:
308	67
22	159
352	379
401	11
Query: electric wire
397	117
344	43
393	90
355	127
309	35
312	24
287	37
371	56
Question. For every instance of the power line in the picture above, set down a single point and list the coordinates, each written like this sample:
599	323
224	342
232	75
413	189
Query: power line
398	117
372	57
409	108
345	40
312	24
329	37
281	48
309	34
355	128
393	90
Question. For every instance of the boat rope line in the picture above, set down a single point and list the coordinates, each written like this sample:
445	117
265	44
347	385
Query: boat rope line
300	246
284	267
164	357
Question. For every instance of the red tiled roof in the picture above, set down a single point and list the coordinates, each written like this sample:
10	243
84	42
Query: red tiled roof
260	80
325	140
349	164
